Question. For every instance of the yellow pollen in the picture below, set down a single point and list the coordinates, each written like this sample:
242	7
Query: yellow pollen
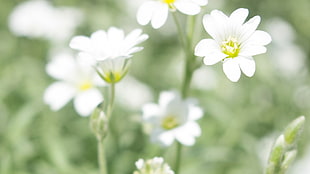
85	85
168	1
231	47
169	122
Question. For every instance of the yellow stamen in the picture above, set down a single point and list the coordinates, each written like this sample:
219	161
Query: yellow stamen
169	122
168	1
231	47
85	85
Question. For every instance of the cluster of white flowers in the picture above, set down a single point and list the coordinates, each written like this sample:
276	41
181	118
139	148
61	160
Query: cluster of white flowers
234	42
173	118
40	19
153	166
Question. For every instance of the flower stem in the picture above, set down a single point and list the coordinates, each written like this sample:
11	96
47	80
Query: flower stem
101	151
178	158
189	68
101	157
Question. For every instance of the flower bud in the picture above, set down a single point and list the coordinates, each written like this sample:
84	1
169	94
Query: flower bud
289	157
99	122
293	130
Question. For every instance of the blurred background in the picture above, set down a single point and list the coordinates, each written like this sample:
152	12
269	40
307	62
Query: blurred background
241	119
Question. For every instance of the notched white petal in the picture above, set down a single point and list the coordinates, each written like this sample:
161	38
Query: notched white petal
232	70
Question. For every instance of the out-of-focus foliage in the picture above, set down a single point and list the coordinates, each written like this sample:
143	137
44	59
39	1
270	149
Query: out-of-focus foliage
241	119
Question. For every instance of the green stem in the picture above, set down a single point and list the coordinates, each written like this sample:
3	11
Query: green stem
111	100
101	157
178	158
186	41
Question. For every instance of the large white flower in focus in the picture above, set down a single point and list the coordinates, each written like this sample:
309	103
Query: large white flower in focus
173	119
77	80
111	50
156	11
113	43
234	42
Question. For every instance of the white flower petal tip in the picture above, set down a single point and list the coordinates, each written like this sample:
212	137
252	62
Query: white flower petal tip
234	42
172	119
156	12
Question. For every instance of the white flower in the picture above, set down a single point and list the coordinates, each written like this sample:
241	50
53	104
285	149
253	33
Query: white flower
156	11
40	19
234	42
77	80
154	166
173	119
111	49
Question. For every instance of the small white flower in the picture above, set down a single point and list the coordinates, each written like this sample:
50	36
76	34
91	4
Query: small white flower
111	50
154	166
76	79
40	19
234	42
173	119
156	11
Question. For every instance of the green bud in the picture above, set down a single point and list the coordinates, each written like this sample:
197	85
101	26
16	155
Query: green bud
278	150
289	157
99	122
293	130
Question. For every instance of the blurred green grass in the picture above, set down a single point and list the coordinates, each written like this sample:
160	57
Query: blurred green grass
34	139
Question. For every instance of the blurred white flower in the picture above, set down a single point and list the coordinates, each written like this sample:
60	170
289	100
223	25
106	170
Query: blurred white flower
111	49
173	119
154	166
77	79
132	93
234	42
40	19
156	11
287	57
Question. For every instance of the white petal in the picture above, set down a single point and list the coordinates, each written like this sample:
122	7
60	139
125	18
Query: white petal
166	97
115	35
62	67
145	12
206	46
192	128
186	134
81	43
201	2
232	70
248	28
251	50
160	15
259	38
238	16
165	138
216	24
247	65
188	8
195	113
85	102
149	110
58	94
213	58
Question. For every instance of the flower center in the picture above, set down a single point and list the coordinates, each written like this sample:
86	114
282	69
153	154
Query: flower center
168	1
85	85
169	122
231	47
